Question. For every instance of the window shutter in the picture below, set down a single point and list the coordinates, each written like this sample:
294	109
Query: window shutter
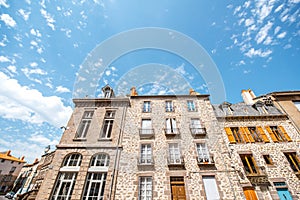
287	137
244	135
246	130
271	133
230	135
262	134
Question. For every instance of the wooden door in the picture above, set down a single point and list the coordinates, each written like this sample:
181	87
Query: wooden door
178	191
250	194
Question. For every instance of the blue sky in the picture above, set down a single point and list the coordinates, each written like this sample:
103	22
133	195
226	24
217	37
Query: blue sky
254	44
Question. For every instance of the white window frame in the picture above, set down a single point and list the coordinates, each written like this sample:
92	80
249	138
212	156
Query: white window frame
70	158
108	124
191	105
99	163
146	126
196	126
174	153
84	124
203	153
297	104
91	181
146	154
145	188
147	106
171	126
60	185
169	106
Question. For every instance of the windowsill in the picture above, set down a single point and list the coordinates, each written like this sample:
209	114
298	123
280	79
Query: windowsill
105	139
79	139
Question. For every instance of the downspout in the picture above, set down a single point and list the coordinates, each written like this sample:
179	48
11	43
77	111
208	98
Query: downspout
117	157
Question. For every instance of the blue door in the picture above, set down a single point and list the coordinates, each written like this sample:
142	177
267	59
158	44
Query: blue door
284	194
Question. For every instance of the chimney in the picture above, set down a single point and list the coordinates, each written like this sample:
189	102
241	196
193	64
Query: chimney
192	92
8	153
36	161
248	96
22	158
133	92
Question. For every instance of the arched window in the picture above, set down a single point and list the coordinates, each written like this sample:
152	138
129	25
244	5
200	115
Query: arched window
67	176
100	160
72	160
96	177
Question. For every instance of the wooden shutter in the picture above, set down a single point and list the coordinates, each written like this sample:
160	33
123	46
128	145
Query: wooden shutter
250	194
230	135
246	130
271	133
242	133
287	137
262	134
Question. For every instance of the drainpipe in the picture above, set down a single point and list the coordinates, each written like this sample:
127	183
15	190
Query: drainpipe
116	162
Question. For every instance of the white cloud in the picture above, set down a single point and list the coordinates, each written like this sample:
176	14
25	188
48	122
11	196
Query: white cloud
277	29
264	11
246	71
284	18
281	35
3	3
268	40
12	68
279	8
42	140
4	59
263	32
24	14
61	89
252	52
287	46
3	41
249	22
33	64
8	20
21	102
49	19
35	32
181	70
107	72
38	71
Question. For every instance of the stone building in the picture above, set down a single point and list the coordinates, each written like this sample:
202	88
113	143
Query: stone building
10	168
263	147
173	147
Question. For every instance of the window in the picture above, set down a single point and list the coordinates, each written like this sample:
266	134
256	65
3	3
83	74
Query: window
145	188
146	154
169	106
12	170
227	110
72	160
108	124
278	134
203	154
64	186
246	134
268	159
196	127
2	160
210	187
174	154
262	110
66	178
147	106
96	177
297	104
100	160
294	161
146	127
171	126
249	164
191	105
95	186
84	124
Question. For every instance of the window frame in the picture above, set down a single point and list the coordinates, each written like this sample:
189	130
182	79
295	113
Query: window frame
146	181
84	125
252	169
191	106
294	161
108	123
147	106
169	107
148	155
203	155
174	153
60	184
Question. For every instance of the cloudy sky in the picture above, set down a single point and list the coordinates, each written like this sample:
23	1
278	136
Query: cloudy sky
45	47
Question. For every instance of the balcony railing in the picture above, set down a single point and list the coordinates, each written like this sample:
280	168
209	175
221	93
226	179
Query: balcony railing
205	160
198	131
175	161
146	133
146	161
171	131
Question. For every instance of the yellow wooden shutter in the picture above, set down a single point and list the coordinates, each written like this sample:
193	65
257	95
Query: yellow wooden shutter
262	134
250	194
243	134
271	133
230	135
287	137
246	130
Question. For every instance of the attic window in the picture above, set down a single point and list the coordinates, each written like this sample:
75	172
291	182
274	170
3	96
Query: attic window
107	93
227	110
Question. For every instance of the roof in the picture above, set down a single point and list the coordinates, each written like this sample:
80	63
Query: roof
242	109
7	156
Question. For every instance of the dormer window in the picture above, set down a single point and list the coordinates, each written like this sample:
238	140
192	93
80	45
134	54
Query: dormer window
226	107
260	107
108	92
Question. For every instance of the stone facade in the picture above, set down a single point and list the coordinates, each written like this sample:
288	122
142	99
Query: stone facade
171	147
